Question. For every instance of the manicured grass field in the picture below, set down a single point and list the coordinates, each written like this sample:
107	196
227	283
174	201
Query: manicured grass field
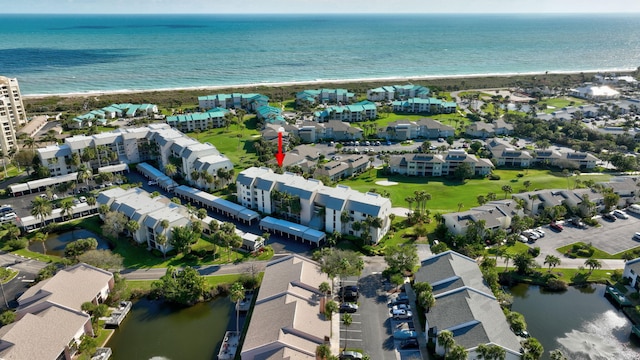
598	254
447	194
213	280
558	103
235	143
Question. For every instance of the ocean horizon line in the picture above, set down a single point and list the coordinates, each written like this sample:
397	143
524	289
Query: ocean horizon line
322	81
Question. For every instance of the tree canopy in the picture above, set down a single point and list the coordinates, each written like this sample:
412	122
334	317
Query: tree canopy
180	286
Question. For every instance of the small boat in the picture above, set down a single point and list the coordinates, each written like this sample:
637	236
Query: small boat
229	346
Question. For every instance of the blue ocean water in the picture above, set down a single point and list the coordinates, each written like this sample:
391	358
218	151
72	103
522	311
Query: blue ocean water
57	54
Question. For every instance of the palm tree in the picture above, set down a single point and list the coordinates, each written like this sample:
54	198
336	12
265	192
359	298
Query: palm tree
460	206
236	293
507	190
41	208
445	339
533	197
11	229
592	264
552	261
132	226
506	256
323	352
66	207
458	352
557	355
84	174
4	163
324	288
170	170
344	219
347	320
41	237
91	201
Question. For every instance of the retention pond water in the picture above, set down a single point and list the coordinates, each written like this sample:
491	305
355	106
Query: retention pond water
580	322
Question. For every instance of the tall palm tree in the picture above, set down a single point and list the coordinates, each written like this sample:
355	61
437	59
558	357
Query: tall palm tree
458	352
42	238
446	340
236	293
66	207
592	264
132	226
552	261
507	190
170	170
4	164
91	201
41	208
84	174
347	320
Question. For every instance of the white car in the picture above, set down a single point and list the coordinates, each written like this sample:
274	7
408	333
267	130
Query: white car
82	199
620	214
8	216
539	231
403	314
396	309
522	238
152	182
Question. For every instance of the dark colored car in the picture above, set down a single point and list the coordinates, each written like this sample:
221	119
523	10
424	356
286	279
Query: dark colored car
609	217
349	293
409	344
556	226
348	308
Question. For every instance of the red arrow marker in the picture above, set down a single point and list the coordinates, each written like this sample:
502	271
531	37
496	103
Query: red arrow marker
280	154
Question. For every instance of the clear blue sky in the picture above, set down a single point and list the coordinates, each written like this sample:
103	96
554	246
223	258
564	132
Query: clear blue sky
318	6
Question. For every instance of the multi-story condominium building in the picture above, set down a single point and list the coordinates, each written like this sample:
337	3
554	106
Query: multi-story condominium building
270	115
424	106
324	96
398	92
438	164
113	111
310	203
424	128
484	130
504	154
157	142
50	323
361	111
12	113
213	118
248	102
465	306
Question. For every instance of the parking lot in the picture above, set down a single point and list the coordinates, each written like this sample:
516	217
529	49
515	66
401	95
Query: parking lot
611	237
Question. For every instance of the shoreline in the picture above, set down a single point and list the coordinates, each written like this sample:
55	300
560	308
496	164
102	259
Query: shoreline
319	82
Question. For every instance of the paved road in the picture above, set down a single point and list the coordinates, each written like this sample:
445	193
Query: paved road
28	269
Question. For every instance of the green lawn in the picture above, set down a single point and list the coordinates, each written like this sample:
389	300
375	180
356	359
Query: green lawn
212	280
137	256
598	254
235	143
558	103
447	194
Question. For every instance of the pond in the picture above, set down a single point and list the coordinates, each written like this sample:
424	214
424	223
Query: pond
56	242
159	331
580	322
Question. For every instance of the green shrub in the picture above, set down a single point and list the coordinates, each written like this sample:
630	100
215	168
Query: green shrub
520	175
554	284
494	177
534	251
17	244
583	253
634	296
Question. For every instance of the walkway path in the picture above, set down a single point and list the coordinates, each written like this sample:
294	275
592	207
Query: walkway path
206	270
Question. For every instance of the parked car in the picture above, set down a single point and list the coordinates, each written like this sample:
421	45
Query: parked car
348	308
539	231
403	301
8	216
555	226
350	355
402	315
531	235
399	307
636	236
404	334
5	209
578	223
620	214
152	182
522	238
409	344
609	217
349	293
82	199
522	333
